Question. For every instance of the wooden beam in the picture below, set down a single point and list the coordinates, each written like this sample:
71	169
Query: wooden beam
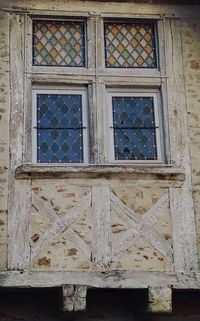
74	297
19	191
143	172
111	279
160	299
101	235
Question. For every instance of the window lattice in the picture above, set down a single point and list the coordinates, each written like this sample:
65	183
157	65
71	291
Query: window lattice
134	128
59	128
130	45
58	43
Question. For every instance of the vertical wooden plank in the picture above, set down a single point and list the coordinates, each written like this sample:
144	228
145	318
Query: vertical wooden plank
177	229
100	54
160	299
93	137
4	133
19	191
101	121
184	234
68	297
27	149
101	234
91	42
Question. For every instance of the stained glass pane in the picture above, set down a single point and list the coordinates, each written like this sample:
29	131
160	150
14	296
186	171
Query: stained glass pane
58	43
59	128
134	128
130	45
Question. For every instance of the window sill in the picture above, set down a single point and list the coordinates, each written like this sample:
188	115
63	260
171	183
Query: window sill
142	171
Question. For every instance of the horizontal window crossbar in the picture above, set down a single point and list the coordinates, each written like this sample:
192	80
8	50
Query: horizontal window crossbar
153	127
73	128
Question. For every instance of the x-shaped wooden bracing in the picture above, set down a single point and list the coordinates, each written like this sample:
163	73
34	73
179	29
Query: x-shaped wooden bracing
103	201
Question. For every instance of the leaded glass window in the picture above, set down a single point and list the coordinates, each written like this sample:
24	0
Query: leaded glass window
130	45
135	127
60	124
58	43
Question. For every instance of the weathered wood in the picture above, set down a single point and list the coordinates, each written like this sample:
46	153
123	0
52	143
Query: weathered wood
151	217
74	297
154	213
140	228
144	172
78	241
160	299
60	223
111	279
101	235
27	146
68	298
185	246
123	9
19	192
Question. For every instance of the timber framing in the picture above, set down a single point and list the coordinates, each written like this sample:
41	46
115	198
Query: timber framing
131	172
101	279
101	177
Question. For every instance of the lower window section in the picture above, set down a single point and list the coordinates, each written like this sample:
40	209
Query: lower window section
135	129
60	123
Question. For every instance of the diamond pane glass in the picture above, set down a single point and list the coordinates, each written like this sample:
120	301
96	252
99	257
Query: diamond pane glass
130	45
58	43
134	128
59	128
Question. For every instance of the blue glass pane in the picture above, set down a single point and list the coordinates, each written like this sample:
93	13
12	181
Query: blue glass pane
59	111
59	128
133	112
59	146
134	128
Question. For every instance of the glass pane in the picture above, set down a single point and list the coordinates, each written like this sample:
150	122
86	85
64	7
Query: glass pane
59	128
134	128
58	43
130	45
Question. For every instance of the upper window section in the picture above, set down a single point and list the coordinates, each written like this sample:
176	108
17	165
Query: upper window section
59	43
130	45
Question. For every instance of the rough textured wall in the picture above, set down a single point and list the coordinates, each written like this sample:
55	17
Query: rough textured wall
4	135
191	49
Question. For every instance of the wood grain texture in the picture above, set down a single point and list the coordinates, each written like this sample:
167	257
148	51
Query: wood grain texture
110	279
101	238
184	233
74	297
19	191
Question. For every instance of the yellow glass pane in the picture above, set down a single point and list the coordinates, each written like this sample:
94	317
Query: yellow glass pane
53	52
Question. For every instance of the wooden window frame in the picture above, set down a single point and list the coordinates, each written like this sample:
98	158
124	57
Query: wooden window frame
98	79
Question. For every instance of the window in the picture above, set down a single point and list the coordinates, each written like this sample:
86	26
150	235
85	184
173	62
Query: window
60	126
107	111
59	43
134	126
130	45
